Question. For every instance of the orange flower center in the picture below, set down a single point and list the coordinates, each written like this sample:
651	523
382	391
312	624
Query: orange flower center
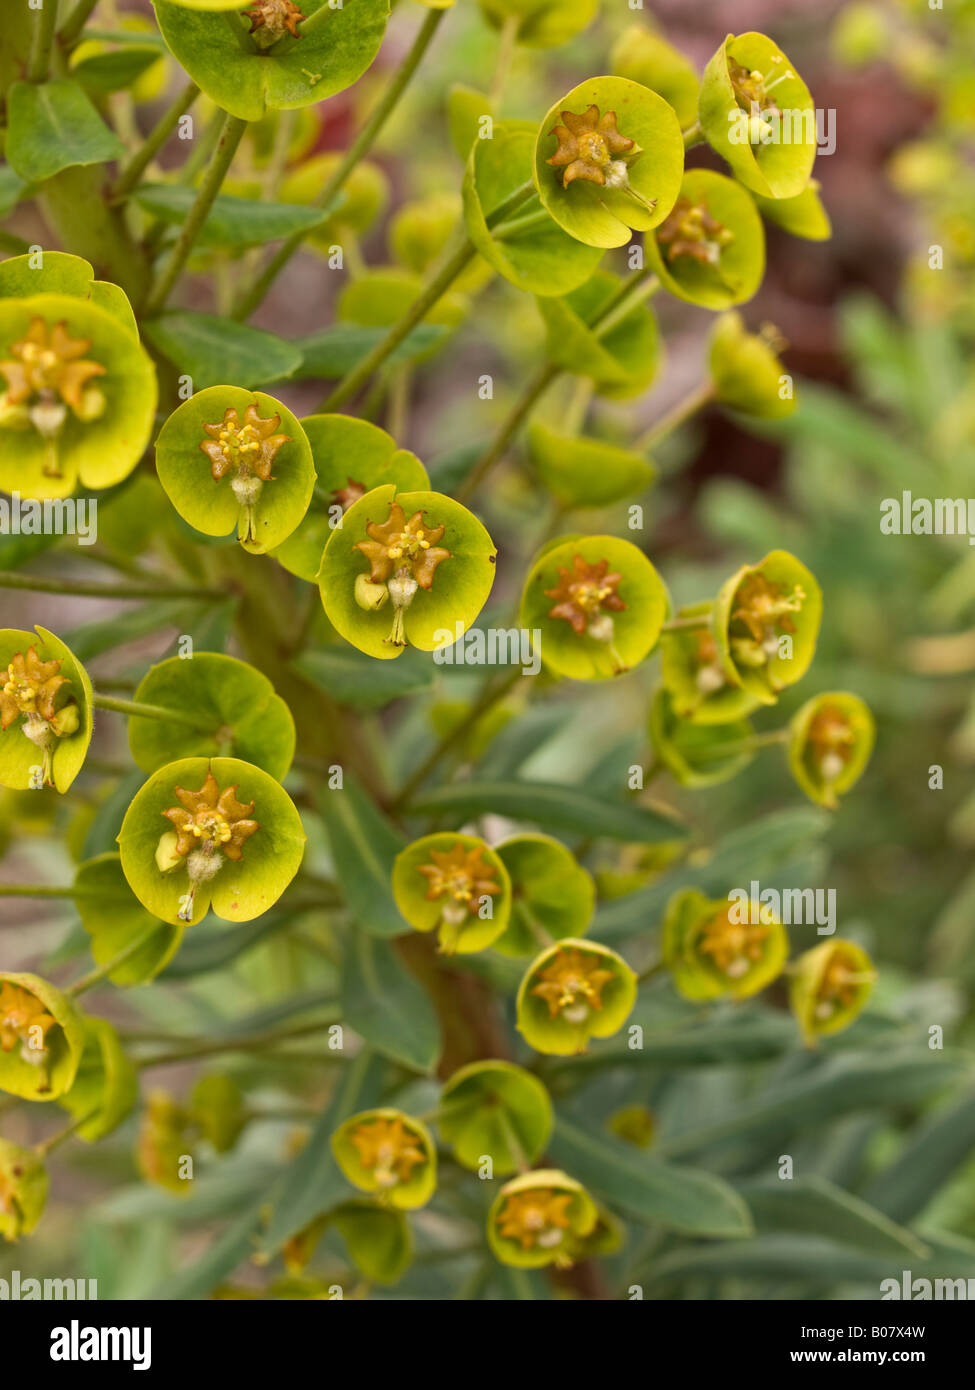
538	1218
572	985
388	1150
733	946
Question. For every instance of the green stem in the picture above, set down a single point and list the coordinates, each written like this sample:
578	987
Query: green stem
154	141
419	309
679	415
493	692
510	426
506	48
637	287
357	150
139	709
47	1145
96	976
83	589
9	241
42	41
693	135
256	1043
72	27
744	745
230	137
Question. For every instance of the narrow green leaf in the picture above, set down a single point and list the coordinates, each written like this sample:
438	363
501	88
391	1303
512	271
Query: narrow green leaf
313	1183
677	1198
364	845
215	351
553	805
335	351
926	1161
817	1207
758	851
53	126
232	223
386	1006
844	1082
353	678
110	72
215	947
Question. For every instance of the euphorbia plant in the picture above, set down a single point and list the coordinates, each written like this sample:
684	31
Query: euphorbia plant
464	922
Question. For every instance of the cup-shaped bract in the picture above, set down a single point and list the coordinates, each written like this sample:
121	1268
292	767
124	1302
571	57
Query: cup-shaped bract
608	160
694	675
210	833
351	458
644	56
829	986
405	568
246	719
233	459
552	895
698	755
831	739
587	472
540	1218
115	919
757	113
217	1107
456	885
765	622
498	1111
710	249
598	603
586	334
802	216
389	1154
575	990
722	948
166	1134
746	370
541	23
45	711
42	1037
530	248
273	54
23	1189
78	392
105	1087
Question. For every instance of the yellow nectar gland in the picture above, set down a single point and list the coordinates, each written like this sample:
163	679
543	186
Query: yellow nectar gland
387	1150
536	1218
24	1019
733	946
572	985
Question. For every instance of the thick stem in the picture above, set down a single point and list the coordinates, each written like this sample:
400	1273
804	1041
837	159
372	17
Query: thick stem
678	415
357	150
42	41
154	141
84	589
693	135
687	624
230	137
72	27
419	309
139	709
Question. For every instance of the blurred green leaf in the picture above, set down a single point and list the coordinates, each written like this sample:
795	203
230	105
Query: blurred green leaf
553	805
386	1006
